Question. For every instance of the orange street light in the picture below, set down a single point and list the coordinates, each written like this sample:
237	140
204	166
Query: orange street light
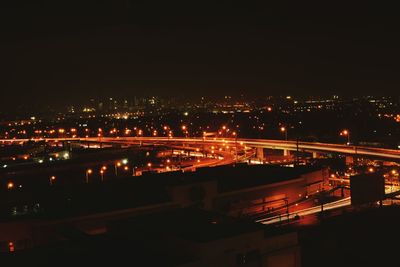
116	166
10	185
346	133
88	172
284	130
52	179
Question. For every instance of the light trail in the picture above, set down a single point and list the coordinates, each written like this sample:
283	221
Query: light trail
309	211
313	210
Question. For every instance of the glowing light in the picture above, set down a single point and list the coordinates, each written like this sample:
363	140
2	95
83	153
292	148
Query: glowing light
10	185
11	247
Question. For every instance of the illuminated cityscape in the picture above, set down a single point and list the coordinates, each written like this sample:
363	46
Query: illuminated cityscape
129	135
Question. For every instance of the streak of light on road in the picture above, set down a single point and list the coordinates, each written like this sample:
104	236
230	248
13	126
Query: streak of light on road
313	210
328	206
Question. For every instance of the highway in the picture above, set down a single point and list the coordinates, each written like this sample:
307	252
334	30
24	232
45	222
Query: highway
381	153
308	211
314	210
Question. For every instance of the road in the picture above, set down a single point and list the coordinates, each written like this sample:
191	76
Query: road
308	211
313	210
381	153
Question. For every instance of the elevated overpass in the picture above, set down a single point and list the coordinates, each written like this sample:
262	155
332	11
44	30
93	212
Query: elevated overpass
362	151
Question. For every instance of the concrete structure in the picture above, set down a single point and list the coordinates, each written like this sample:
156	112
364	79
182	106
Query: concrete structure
247	190
373	152
236	191
209	239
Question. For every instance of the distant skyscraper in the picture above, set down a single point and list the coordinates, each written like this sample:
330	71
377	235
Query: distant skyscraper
92	104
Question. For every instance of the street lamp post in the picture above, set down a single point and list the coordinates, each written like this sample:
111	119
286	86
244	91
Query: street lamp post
52	179
284	130
236	147
134	171
185	130
346	133
116	166
88	172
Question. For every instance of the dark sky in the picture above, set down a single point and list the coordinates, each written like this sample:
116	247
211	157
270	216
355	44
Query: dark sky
66	52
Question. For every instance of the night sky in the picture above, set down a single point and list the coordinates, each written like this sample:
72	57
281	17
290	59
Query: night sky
66	52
